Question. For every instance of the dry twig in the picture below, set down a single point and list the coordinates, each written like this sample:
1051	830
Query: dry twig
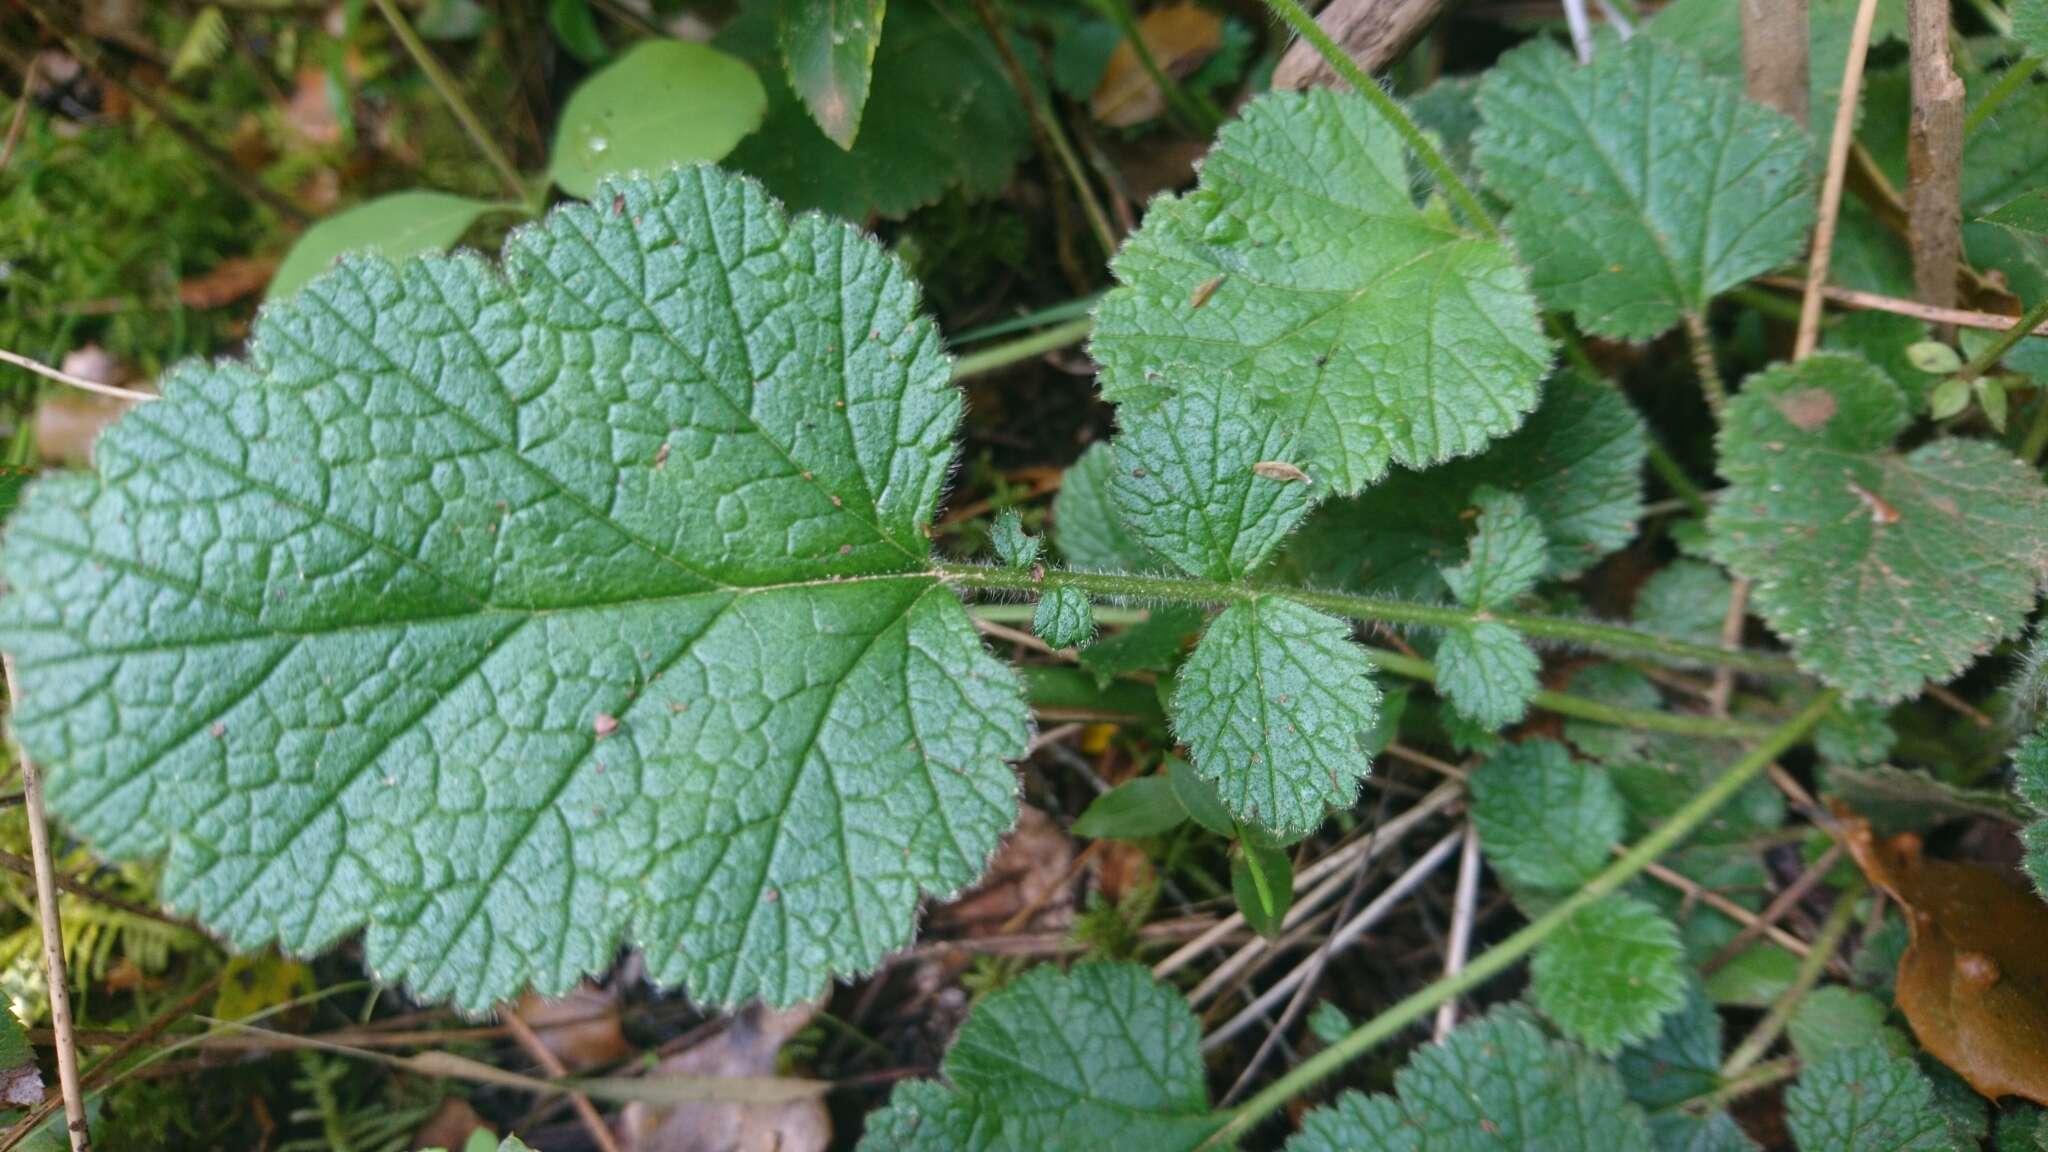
1831	185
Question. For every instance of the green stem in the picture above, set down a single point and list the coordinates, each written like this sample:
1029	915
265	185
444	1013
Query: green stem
451	95
1447	177
1673	474
2016	77
1702	343
1584	708
1988	359
1507	953
1371	609
1736	1087
1815	962
1025	348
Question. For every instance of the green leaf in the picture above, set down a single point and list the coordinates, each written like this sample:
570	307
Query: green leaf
1151	645
1855	733
1611	974
1934	357
575	29
2030	24
1865	1100
1615	684
1545	820
507	617
21	1078
1948	399
1680	1062
1301	272
1064	618
1274	707
1098	1057
1262	879
1204	805
396	226
941	114
1494	1083
1641	187
2030	783
1085	524
1195	479
1507	553
2027	212
1853	548
1146	806
1836	1017
1577	463
1667	771
1488	673
661	103
1882	339
1685	600
829	48
1014	547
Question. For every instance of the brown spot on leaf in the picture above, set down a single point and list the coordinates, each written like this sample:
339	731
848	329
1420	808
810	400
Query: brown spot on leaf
1808	408
604	725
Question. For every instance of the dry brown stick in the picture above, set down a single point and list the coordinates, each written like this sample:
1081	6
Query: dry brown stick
1934	155
1776	909
1774	64
1695	892
1831	185
1877	302
53	931
1464	909
20	121
1731	637
530	1042
1372	32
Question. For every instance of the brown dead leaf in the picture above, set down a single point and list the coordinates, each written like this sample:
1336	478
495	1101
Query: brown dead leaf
1181	37
1025	877
581	1029
1974	980
749	1045
450	1126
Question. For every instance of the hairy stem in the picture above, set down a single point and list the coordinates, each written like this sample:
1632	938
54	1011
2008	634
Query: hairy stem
1507	953
1369	609
1341	62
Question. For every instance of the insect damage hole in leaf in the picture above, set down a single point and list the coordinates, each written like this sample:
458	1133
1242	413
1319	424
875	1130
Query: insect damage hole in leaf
334	630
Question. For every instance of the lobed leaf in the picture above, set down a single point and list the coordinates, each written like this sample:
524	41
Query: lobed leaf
1275	706
1577	464
1883	570
507	617
1641	187
1611	974
1301	272
1494	1083
1488	673
1098	1057
1201	478
1507	553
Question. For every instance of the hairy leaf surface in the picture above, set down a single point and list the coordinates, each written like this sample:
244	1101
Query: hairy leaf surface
1488	673
1883	570
1099	1057
1577	463
1275	706
1865	1100
508	617
1085	524
1301	271
1545	819
1611	974
1641	186
1495	1083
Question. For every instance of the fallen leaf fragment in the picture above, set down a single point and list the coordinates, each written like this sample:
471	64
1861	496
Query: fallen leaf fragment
1973	982
1181	37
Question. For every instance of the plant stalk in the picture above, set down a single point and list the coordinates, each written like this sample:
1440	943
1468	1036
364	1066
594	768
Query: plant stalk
1370	609
1023	348
1988	359
1829	940
1341	62
451	95
1504	955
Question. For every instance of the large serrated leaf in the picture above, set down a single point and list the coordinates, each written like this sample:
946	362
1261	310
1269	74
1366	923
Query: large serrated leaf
1641	186
941	114
1577	463
1883	570
1274	707
1495	1083
2030	783
510	616
1085	523
1099	1057
1301	271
